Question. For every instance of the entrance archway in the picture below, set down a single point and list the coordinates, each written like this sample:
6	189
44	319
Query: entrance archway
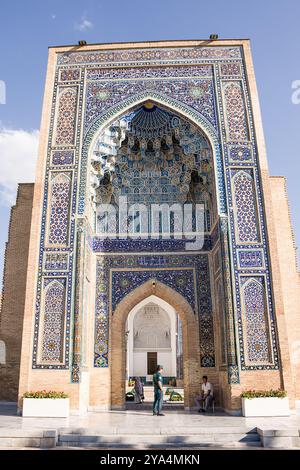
190	339
153	337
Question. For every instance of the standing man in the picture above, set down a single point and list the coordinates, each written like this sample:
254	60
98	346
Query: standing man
207	392
158	392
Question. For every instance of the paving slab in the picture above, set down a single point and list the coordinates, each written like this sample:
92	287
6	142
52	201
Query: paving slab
141	427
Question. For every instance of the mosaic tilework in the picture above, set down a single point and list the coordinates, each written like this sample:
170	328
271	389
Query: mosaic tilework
69	75
102	313
60	207
56	261
236	119
246	214
230	69
79	287
63	157
56	272
228	306
169	102
150	72
65	125
102	95
154	162
255	317
105	245
251	258
54	313
151	55
239	153
190	271
180	280
217	261
221	316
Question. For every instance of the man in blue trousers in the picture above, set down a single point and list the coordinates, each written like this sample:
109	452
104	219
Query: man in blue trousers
158	392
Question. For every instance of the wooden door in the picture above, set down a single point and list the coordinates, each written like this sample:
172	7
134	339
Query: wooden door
152	362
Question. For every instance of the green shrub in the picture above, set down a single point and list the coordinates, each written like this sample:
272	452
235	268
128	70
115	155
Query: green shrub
264	394
45	394
169	391
175	396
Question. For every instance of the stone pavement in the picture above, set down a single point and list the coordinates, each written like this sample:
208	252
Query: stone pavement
140	429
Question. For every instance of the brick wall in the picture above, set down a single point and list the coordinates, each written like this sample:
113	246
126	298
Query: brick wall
14	282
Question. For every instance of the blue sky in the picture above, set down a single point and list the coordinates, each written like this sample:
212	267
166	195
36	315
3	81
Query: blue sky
28	28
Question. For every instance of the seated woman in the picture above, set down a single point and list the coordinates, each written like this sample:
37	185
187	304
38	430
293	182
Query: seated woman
139	390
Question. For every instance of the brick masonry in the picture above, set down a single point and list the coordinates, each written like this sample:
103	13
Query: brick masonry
14	283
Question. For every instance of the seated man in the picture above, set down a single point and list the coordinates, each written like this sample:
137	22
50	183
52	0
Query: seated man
206	396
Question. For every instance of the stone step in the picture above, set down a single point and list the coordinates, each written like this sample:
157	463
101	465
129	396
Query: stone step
145	438
155	441
20	438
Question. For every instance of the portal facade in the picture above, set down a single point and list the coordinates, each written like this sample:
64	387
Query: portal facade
152	183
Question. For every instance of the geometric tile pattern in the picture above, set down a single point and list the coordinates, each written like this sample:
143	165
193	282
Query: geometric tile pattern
180	280
230	69
155	161
116	278
151	55
60	206
56	261
245	211
256	326
239	153
190	81
250	258
65	126
63	157
237	126
54	309
104	94
69	75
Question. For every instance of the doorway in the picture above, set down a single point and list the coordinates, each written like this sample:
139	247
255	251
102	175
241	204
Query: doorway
120	334
151	362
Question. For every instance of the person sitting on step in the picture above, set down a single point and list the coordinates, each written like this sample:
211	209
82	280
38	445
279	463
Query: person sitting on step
204	400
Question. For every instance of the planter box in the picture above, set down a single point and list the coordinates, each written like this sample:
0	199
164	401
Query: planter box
271	406
46	407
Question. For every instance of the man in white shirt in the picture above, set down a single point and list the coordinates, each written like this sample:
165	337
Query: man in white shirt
204	400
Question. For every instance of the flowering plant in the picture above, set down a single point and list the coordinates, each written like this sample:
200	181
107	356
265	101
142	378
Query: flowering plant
45	394
264	394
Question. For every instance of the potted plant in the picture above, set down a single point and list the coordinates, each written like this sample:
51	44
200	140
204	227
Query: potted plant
48	404
265	403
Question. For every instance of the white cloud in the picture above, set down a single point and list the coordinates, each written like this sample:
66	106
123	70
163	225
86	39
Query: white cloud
84	24
18	153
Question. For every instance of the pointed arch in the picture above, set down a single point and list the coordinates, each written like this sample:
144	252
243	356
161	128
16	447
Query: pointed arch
60	178
190	330
171	104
